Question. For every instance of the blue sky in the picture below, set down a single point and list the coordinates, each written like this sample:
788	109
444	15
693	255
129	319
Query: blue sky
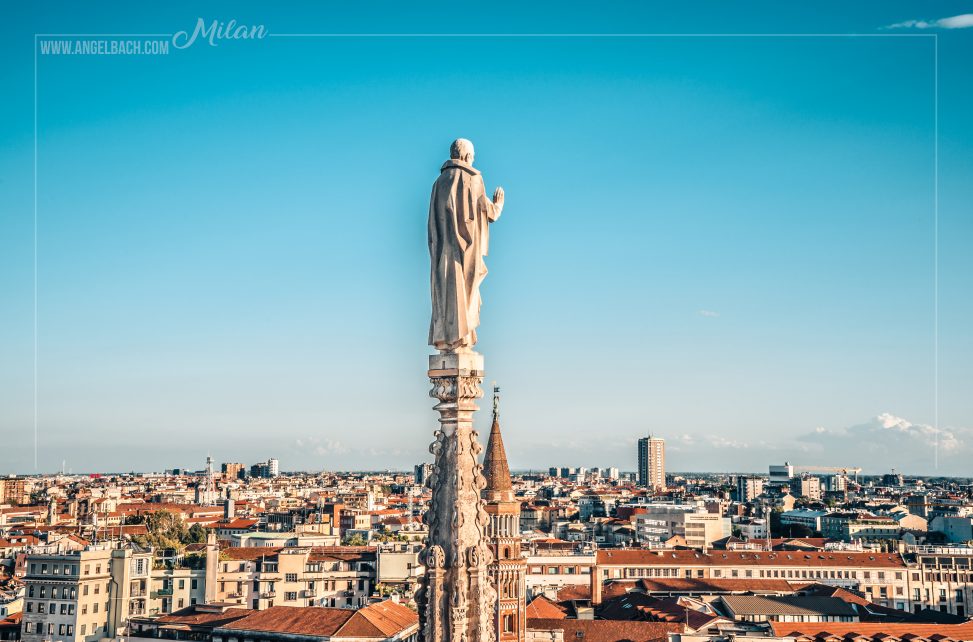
726	241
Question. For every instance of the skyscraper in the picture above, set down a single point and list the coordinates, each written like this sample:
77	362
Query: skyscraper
652	462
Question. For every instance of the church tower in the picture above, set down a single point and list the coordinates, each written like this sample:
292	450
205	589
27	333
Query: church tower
508	571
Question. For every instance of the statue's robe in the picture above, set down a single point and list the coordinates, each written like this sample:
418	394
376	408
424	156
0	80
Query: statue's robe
459	234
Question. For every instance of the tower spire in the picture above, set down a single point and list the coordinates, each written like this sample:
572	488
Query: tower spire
495	466
508	569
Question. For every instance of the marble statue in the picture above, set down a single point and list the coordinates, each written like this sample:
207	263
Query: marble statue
459	236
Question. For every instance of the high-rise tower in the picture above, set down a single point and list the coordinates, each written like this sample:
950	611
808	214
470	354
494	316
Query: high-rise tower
508	570
652	462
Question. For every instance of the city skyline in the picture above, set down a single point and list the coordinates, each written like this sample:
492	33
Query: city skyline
751	223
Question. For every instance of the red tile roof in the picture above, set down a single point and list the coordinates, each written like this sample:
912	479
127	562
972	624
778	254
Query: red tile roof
873	630
641	557
379	620
604	630
715	585
299	620
542	608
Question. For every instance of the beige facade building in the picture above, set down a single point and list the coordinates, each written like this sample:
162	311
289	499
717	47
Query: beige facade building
84	595
297	576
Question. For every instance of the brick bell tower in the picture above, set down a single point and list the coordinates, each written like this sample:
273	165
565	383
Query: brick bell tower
508	571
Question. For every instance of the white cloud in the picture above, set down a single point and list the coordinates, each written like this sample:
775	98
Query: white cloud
708	313
883	442
320	447
962	21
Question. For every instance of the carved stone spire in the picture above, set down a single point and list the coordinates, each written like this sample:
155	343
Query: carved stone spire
457	600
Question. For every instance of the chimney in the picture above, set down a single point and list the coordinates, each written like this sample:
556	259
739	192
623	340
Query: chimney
595	585
212	567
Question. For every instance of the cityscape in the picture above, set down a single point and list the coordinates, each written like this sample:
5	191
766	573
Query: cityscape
794	551
675	349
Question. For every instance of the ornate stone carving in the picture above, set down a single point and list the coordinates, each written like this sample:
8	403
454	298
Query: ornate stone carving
456	602
473	557
435	557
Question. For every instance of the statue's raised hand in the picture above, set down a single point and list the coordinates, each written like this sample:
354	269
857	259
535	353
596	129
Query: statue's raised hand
498	198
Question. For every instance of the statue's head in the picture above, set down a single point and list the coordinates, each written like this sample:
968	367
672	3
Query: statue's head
461	149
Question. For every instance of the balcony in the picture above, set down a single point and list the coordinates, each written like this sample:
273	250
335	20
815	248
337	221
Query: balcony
307	593
164	592
268	595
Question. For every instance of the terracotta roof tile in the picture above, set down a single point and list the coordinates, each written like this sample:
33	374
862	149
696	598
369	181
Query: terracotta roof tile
604	630
542	608
642	557
873	630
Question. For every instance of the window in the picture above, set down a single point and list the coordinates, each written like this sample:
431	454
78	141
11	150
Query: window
182	584
43	569
290	577
43	591
28	627
508	623
194	584
40	607
94	608
60	629
30	607
97	569
84	609
87	569
97	589
70	629
84	629
30	591
84	591
290	595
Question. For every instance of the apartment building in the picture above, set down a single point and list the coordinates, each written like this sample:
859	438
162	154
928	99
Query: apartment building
941	578
662	522
173	589
84	595
938	578
849	527
652	462
297	576
553	564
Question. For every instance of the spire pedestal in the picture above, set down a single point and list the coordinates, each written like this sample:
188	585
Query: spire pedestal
456	601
